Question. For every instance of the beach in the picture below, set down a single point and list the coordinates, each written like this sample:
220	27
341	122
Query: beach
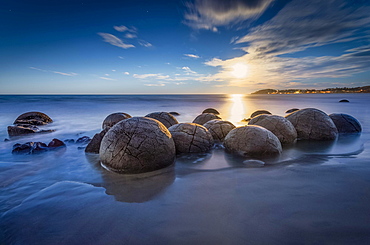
313	193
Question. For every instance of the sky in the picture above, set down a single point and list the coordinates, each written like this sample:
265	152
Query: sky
177	47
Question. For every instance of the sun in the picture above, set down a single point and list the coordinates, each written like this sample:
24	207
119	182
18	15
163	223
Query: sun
239	70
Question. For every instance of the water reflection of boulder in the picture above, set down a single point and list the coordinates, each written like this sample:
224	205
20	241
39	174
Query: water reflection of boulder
314	146
137	188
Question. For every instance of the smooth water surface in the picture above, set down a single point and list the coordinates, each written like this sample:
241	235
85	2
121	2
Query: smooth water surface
314	193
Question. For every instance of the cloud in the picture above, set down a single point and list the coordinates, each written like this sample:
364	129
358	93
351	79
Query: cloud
115	41
125	28
126	73
145	43
188	70
155	84
108	78
70	74
192	56
129	35
155	76
208	14
273	49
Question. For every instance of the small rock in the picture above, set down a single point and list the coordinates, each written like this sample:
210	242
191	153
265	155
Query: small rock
259	112
174	113
5	140
94	144
21	130
83	140
56	143
69	141
344	100
29	148
211	110
253	163
292	110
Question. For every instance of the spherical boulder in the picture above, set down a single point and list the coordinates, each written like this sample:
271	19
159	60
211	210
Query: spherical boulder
346	123
191	138
313	124
259	112
33	118
211	110
164	117
219	129
280	126
292	110
114	118
252	141
137	145
205	117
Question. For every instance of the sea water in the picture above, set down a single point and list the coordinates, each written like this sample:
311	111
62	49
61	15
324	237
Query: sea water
314	193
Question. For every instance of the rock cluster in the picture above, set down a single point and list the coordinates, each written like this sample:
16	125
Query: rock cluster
137	145
219	129
164	117
28	123
36	147
191	138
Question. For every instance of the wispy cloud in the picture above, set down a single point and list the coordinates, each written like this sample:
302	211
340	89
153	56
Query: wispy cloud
192	56
130	35
155	76
115	41
70	74
155	84
125	28
209	14
145	43
188	70
108	78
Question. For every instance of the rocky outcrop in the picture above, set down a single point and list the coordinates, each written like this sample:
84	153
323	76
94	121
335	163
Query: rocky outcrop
313	124
219	129
252	141
191	138
164	117
137	145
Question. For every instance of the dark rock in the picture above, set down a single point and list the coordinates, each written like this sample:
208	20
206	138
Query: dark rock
219	129
5	140
259	112
205	117
164	117
81	147
21	130
280	126
69	141
114	118
346	123
137	145
56	143
251	141
94	144
344	100
211	110
29	148
191	138
313	124
33	118
174	113
292	110
83	140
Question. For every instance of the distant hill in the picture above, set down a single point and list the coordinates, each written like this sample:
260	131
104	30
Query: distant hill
365	89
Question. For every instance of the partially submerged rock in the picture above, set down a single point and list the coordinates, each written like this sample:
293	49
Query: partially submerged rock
114	118
23	130
346	123
259	112
344	100
56	143
94	144
278	125
313	124
205	117
37	147
137	145
191	138
219	129
26	124
292	110
83	140
164	117
211	110
252	141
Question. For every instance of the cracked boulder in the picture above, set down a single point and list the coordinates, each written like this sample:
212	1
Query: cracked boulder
345	123
252	141
164	117
33	118
137	145
114	118
205	117
313	124
280	126
219	129
191	138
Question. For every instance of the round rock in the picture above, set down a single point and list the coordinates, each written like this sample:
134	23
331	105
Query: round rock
211	110
346	123
259	112
292	110
137	145
191	138
280	126
205	117
219	129
33	118
252	141
164	117
114	118
313	124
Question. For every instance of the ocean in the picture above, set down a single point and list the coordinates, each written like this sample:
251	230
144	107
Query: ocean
314	193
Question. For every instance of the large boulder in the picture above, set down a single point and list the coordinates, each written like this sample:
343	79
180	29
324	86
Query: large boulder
191	138
252	141
346	123
114	118
219	129
313	124
164	117
94	144
211	110
205	117
33	118
137	145
280	126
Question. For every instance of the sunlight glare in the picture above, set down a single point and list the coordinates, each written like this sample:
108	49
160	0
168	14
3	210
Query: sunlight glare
237	110
239	70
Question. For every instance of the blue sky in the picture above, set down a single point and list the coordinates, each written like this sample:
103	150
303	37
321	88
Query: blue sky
195	46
